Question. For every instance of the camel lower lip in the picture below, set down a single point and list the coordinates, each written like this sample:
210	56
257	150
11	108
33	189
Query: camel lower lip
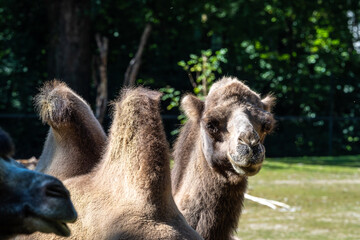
252	170
65	231
46	225
244	169
59	228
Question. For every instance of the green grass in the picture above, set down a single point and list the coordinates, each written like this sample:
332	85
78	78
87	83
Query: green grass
323	191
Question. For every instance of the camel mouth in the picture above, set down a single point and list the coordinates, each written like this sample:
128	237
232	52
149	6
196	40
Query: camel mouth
35	221
244	167
59	228
48	226
252	170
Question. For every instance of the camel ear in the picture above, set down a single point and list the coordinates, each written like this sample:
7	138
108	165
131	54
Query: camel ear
192	106
268	102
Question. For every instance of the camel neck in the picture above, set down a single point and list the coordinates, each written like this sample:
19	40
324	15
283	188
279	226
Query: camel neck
222	203
215	212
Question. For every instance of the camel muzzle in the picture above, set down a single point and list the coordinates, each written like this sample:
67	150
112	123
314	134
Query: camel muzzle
247	160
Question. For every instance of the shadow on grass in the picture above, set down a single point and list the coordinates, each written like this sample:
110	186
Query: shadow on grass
343	161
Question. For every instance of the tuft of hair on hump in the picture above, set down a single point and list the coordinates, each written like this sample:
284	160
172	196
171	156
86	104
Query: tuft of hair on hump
131	104
130	94
54	103
7	147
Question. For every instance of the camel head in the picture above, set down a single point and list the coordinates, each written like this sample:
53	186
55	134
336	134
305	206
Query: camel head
31	201
233	122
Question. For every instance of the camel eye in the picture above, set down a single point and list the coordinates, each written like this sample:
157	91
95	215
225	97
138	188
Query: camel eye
212	126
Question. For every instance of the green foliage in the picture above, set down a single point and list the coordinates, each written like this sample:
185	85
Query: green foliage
301	51
173	97
171	94
201	71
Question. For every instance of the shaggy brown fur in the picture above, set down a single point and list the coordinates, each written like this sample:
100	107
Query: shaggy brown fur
128	196
75	140
208	190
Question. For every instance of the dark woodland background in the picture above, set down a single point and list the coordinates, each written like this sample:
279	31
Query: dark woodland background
305	52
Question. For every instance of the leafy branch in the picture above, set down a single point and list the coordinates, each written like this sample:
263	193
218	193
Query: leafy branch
201	71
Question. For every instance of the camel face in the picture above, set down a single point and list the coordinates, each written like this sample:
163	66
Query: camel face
234	121
31	201
235	138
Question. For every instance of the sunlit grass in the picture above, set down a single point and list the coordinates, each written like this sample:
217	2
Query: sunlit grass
323	191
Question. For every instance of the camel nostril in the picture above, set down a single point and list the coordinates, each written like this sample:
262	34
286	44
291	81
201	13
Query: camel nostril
246	151
257	149
242	139
56	190
255	146
255	142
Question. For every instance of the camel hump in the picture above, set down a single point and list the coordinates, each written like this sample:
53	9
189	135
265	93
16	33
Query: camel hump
56	103
140	93
137	144
7	148
139	107
137	113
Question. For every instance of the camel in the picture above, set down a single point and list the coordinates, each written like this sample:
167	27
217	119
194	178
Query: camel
220	145
128	195
75	140
30	201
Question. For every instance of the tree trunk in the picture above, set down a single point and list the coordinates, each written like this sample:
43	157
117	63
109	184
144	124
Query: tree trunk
134	65
102	94
69	50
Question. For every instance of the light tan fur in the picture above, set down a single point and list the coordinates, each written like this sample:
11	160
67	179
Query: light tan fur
75	140
128	195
